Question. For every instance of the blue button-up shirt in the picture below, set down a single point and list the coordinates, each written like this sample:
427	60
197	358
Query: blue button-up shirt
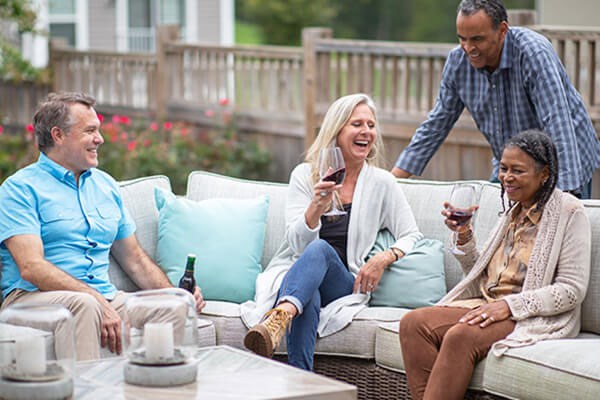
77	224
529	89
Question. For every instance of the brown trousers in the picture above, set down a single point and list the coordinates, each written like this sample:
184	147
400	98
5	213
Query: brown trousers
440	354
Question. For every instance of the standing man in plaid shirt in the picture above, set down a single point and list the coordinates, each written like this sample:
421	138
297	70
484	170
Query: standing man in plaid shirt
509	79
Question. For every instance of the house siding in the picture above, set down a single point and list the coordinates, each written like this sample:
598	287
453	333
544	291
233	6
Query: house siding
102	25
209	21
569	13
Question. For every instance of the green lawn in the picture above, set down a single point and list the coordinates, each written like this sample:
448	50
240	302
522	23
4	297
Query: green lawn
246	33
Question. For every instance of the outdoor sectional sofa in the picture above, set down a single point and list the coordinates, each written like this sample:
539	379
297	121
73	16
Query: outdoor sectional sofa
367	352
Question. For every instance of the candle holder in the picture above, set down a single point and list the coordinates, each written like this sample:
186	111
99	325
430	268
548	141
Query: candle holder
37	352
160	337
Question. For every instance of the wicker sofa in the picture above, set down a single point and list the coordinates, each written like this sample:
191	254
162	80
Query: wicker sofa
367	352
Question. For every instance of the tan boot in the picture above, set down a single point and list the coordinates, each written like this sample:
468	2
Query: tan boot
264	338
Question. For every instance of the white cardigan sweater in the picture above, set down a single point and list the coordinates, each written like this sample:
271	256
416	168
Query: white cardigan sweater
549	305
378	202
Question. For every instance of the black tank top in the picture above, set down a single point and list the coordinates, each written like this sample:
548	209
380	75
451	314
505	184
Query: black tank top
334	230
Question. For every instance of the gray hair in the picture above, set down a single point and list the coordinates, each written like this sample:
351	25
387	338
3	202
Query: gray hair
493	8
52	112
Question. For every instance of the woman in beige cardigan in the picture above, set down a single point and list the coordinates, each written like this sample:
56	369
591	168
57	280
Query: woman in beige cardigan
526	285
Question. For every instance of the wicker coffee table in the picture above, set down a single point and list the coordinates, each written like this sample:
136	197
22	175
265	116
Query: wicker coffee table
223	373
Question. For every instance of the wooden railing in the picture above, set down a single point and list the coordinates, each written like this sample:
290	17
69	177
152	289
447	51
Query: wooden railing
117	80
579	50
284	92
18	102
258	79
403	78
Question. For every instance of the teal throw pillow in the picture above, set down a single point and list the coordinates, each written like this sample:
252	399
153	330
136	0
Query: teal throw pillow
226	235
415	280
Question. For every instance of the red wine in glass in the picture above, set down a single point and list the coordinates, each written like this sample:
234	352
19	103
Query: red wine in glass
460	216
332	159
336	176
463	201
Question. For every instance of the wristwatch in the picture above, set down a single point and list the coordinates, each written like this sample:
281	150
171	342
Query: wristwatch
397	252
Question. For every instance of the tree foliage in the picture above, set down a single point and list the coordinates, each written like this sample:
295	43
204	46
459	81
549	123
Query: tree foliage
282	20
19	13
403	20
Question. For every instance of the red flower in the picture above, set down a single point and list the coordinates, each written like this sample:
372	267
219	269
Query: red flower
224	101
100	117
124	136
116	119
154	126
29	128
168	125
1	129
125	120
209	113
131	145
184	132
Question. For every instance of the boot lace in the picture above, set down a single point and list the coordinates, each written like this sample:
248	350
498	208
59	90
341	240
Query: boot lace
276	322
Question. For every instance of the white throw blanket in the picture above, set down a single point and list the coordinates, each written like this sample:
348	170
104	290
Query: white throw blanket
378	203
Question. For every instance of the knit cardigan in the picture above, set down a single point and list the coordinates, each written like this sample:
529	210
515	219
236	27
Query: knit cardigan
378	202
549	304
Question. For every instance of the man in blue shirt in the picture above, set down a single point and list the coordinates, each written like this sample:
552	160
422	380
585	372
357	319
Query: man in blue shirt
59	219
510	80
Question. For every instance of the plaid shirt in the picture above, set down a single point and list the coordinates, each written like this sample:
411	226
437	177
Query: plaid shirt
529	89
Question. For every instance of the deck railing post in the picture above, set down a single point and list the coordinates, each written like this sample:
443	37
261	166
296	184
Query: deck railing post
164	35
521	17
309	36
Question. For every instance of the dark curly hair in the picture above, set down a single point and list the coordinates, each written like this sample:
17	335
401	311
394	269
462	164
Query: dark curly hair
493	8
539	146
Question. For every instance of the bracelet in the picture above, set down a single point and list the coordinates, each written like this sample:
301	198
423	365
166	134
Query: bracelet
396	255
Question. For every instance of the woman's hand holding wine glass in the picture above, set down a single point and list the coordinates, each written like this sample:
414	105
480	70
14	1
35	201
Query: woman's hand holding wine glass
459	211
332	168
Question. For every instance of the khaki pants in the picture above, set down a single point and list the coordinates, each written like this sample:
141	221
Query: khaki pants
440	354
87	315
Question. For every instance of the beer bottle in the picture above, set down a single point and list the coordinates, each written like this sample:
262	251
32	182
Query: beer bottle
187	281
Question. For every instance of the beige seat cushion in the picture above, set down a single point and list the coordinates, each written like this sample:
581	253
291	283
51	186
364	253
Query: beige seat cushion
550	369
356	340
388	353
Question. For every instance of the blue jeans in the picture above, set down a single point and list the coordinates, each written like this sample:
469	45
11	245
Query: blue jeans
316	279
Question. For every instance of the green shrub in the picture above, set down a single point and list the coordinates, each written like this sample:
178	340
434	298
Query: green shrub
135	148
16	151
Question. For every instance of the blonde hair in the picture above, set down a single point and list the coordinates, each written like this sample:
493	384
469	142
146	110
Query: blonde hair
335	119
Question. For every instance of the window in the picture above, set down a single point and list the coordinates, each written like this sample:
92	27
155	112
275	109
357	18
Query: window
144	15
62	20
61	6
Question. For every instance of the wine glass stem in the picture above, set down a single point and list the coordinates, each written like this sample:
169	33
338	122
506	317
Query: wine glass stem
333	203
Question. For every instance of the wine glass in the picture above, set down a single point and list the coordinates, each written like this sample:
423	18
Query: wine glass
333	169
462	204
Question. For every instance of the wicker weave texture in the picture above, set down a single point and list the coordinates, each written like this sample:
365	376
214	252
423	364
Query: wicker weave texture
372	381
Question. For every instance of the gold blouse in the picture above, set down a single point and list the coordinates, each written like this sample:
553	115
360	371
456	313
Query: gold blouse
506	270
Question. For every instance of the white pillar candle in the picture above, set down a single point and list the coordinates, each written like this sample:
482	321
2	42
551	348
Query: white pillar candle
158	340
31	355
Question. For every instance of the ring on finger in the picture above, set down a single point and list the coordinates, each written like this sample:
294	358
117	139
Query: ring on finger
323	193
492	319
370	285
484	316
